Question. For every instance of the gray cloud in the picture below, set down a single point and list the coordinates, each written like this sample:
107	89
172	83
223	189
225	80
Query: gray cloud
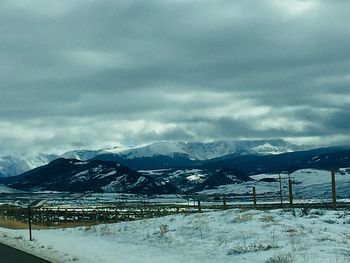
82	74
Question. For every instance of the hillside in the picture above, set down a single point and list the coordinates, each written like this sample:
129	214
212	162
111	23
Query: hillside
70	175
322	158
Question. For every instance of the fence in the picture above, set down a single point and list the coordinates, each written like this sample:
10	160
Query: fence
50	216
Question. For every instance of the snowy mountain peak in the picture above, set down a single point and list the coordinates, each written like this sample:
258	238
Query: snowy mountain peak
16	164
154	149
206	151
268	148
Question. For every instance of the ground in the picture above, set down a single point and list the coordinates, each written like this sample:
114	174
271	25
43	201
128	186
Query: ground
220	236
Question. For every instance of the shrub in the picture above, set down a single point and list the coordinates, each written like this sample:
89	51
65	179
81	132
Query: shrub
163	229
317	212
330	221
267	218
19	237
242	218
305	211
283	258
247	248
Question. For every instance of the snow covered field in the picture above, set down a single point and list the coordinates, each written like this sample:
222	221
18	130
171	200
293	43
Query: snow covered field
221	236
307	184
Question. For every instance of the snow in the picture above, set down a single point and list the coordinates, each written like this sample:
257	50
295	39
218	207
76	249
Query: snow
120	184
83	173
196	177
206	151
140	180
267	148
82	154
7	190
12	165
210	150
159	148
105	175
222	236
154	172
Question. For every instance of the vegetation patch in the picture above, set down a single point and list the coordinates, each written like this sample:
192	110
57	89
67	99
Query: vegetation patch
252	247
282	258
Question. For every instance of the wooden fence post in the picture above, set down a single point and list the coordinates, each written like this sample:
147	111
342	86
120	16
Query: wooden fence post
30	223
281	197
141	213
224	202
334	195
290	188
116	214
199	205
254	196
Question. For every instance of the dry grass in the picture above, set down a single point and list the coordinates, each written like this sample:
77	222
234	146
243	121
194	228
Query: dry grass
267	219
241	218
12	224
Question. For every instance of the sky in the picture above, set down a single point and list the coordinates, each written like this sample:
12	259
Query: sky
100	73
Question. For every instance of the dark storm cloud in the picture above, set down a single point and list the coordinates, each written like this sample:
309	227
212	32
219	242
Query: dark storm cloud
92	73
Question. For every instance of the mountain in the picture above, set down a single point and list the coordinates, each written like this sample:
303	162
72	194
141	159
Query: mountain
322	158
82	155
150	163
71	175
154	156
113	176
210	150
194	180
12	165
186	179
15	164
162	155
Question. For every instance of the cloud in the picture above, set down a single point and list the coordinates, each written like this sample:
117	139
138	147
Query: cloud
92	73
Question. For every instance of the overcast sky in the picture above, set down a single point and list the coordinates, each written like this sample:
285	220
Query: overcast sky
91	74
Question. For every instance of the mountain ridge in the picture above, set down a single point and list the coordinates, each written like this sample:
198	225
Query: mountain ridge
166	154
74	175
71	175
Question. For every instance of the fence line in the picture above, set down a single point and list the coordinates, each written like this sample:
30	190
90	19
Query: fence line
56	215
122	211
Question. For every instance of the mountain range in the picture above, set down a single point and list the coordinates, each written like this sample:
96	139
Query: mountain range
153	156
168	168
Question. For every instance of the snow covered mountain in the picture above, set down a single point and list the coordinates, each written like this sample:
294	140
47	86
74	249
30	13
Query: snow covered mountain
82	155
206	151
11	165
163	155
155	155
